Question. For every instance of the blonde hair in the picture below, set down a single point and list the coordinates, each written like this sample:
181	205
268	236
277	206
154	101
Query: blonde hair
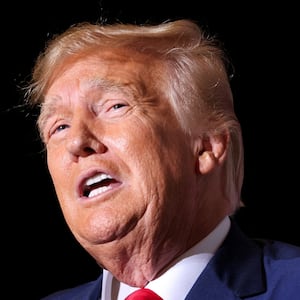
195	78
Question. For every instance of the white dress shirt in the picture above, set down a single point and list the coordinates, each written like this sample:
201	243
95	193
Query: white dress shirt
177	281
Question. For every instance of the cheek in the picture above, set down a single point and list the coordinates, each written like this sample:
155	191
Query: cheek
51	163
57	167
133	146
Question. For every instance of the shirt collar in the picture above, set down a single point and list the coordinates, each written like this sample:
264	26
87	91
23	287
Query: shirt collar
176	282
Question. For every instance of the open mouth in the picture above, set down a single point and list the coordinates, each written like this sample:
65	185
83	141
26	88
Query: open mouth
97	184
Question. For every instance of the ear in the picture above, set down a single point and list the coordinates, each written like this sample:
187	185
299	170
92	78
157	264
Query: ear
211	151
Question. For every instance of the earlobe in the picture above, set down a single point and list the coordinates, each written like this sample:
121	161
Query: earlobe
211	152
207	162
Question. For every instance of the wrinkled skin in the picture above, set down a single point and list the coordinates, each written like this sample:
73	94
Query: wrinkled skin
154	205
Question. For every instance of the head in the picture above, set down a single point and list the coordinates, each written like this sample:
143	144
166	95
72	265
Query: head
142	142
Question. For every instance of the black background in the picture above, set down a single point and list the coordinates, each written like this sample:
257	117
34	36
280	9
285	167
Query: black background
39	254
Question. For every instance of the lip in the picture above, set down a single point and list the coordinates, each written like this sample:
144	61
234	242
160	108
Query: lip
81	184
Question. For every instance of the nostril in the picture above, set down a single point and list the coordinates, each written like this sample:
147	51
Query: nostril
89	150
99	147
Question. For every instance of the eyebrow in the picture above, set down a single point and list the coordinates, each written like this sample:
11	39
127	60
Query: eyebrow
112	86
48	108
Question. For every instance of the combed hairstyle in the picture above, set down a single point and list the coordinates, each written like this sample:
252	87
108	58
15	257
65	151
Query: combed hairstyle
195	76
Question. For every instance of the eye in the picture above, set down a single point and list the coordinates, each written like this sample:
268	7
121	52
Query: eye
118	105
116	108
59	128
112	107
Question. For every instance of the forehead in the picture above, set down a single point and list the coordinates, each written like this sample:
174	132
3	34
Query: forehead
92	76
119	66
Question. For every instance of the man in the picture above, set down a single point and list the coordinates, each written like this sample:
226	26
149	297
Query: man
146	156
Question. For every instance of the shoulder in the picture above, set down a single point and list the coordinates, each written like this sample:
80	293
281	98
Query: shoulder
282	265
277	252
259	265
89	290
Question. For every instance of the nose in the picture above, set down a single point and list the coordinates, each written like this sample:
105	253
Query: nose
82	142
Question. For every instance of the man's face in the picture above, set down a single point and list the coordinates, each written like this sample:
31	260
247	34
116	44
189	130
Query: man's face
122	167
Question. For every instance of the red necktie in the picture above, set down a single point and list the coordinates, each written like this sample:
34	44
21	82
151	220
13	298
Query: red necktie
143	294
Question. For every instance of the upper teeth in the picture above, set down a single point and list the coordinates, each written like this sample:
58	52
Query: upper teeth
97	178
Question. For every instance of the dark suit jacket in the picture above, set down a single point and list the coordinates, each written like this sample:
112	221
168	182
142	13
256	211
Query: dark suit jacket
241	269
